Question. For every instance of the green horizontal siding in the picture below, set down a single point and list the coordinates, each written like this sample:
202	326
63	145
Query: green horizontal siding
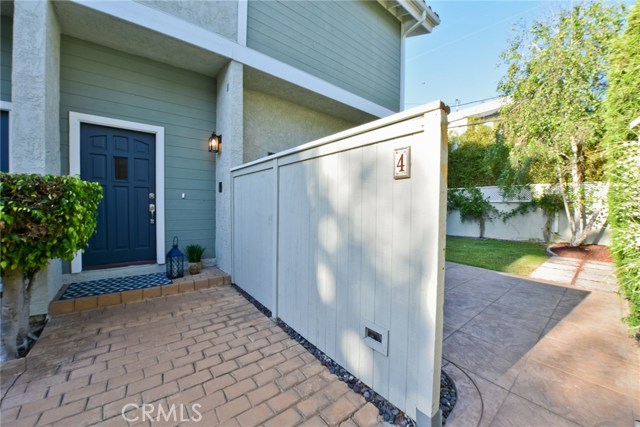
352	44
101	81
6	51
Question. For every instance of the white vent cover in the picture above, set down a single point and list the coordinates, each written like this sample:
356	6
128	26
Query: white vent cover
375	336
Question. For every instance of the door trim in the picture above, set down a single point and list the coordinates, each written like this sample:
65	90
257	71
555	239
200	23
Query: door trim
75	120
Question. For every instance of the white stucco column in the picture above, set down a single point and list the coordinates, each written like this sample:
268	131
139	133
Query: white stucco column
229	124
35	116
35	129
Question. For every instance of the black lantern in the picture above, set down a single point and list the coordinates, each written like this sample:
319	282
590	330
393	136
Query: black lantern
175	261
215	142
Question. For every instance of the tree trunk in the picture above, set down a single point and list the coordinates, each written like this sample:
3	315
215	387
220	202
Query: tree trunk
548	223
588	226
594	215
24	314
577	189
565	201
481	221
12	309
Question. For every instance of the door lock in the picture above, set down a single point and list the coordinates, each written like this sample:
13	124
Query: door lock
152	209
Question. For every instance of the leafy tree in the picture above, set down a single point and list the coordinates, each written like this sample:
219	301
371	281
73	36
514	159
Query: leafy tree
556	82
41	218
622	148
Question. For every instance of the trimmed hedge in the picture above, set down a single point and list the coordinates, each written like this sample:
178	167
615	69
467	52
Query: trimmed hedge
469	157
44	217
623	164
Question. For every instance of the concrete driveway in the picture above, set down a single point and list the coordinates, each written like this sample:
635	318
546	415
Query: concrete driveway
524	353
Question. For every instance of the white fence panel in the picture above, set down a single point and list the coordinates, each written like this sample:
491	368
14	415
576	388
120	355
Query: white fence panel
253	232
355	249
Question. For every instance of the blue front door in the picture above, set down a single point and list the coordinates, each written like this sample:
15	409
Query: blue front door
123	163
4	141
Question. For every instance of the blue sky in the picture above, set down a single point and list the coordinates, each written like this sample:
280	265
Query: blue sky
459	59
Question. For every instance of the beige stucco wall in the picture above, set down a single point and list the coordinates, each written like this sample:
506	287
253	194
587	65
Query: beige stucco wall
272	124
217	16
228	124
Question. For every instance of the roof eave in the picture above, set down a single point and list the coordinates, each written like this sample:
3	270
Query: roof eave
410	12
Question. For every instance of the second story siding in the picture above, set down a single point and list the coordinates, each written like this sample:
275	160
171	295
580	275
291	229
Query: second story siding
354	45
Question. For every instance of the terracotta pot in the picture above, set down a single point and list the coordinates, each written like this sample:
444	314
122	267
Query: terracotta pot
195	267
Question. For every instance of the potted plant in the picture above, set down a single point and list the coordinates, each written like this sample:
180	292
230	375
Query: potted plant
194	256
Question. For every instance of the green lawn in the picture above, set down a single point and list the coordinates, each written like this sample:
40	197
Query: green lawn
519	258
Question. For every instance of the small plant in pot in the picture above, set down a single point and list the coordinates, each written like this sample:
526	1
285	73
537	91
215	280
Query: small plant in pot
194	256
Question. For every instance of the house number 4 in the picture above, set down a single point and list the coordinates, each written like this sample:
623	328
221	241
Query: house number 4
402	163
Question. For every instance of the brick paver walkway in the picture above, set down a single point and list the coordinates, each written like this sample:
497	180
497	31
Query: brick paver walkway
210	355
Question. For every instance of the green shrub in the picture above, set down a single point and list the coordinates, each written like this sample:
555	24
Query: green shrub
45	217
468	157
472	206
41	218
622	150
194	253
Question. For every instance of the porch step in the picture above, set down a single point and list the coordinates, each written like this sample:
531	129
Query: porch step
208	278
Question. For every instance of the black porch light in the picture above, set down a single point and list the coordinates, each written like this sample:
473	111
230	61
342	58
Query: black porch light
175	261
215	143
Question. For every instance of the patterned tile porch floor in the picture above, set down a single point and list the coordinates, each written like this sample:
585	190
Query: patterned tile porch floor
209	347
114	285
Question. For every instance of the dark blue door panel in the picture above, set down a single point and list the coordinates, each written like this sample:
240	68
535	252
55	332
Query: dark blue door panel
123	162
4	141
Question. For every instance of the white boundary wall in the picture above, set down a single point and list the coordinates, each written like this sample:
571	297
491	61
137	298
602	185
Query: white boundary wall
331	243
531	225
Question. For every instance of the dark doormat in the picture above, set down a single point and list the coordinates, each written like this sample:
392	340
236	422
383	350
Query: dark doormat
110	286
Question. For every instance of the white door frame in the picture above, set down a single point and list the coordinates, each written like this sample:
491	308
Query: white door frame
75	120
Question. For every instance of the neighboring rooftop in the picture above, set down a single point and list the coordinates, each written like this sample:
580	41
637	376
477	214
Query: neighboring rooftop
482	110
485	113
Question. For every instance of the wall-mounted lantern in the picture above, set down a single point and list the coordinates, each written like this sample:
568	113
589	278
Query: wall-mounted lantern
175	261
215	143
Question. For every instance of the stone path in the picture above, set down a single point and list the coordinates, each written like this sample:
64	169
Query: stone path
591	275
524	353
208	347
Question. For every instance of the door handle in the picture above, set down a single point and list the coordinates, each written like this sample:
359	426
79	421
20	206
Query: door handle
152	210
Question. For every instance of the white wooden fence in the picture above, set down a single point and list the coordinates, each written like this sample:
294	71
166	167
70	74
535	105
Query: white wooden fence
348	256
